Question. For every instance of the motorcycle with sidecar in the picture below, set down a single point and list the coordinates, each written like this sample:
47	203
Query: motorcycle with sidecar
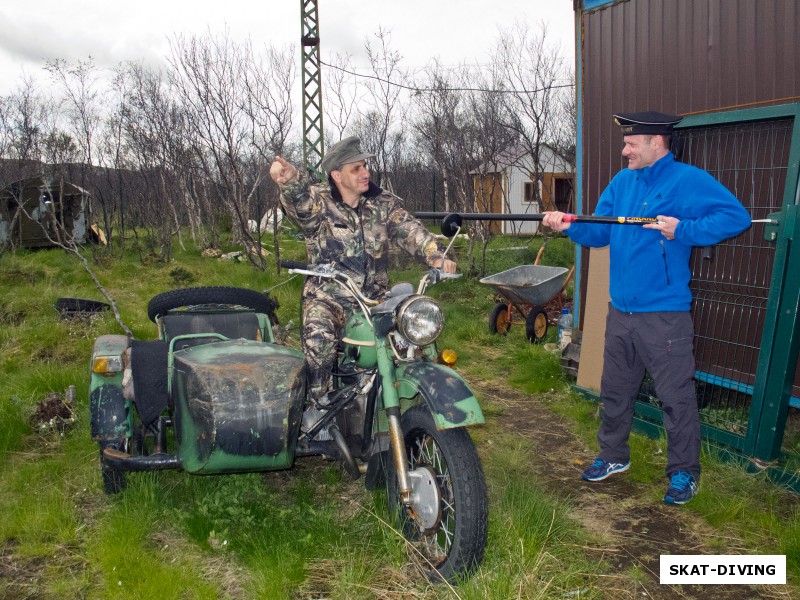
216	394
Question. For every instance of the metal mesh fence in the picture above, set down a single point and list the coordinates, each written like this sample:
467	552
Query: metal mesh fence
731	280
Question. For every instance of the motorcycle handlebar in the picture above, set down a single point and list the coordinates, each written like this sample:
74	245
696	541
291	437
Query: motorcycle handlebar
432	277
327	273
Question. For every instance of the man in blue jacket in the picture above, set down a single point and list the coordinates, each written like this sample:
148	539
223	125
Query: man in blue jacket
649	326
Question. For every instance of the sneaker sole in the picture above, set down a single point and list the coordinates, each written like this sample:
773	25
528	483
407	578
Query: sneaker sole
607	475
675	502
668	500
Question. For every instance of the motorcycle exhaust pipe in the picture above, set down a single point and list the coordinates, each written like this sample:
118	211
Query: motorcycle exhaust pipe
122	461
344	452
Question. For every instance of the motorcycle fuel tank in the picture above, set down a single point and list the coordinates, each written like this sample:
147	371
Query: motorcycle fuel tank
360	336
238	406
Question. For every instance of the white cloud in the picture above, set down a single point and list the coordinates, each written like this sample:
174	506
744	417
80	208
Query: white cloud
452	30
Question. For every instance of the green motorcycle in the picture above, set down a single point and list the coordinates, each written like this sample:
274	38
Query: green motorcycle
235	401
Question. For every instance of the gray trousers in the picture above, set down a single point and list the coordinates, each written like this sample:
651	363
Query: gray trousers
661	344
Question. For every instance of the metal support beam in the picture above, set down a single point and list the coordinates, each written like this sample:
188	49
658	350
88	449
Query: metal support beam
313	150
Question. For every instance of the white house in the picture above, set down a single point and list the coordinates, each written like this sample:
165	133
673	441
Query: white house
508	186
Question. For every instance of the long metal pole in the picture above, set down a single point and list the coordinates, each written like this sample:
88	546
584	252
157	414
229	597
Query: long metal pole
568	217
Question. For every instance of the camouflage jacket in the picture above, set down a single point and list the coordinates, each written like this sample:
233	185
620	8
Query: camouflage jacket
356	240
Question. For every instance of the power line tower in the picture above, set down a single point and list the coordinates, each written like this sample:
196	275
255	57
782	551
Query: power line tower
313	150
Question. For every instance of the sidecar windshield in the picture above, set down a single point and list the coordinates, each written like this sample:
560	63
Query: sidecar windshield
232	325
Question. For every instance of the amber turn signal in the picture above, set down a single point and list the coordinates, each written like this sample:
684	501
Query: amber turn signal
448	357
103	365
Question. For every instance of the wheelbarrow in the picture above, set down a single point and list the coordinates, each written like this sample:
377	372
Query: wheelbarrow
530	295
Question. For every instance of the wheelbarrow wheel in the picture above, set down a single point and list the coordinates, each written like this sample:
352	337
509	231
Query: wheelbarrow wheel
536	325
498	319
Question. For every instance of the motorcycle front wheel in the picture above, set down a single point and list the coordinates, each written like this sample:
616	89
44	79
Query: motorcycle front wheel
448	517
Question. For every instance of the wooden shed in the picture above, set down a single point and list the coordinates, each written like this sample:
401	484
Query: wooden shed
730	69
510	185
34	210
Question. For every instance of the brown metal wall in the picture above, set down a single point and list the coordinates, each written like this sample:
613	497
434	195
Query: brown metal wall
680	57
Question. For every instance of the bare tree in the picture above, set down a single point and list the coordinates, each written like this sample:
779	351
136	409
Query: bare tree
341	95
268	104
26	116
437	129
381	126
109	188
533	71
225	121
462	124
6	136
155	131
566	122
492	141
78	83
79	111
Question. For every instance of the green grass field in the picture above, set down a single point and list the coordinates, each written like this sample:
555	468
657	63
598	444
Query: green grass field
308	532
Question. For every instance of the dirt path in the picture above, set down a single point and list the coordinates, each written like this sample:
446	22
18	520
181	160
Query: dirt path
633	529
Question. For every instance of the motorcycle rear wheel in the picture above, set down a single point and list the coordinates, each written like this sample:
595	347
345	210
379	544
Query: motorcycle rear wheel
452	544
114	481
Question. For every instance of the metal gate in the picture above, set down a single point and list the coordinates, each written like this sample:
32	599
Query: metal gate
747	289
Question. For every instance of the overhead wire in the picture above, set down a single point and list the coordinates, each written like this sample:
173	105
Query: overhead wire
445	89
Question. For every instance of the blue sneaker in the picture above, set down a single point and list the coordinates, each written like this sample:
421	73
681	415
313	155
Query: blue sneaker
682	488
601	469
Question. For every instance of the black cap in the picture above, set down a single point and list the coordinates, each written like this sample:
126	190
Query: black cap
646	123
341	153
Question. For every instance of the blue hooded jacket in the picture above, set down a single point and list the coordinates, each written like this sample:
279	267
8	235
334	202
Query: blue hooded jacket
648	272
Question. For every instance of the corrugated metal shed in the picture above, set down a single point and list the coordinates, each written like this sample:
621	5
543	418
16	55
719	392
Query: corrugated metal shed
679	57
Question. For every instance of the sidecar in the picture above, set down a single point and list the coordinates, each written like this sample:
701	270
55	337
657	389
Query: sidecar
215	386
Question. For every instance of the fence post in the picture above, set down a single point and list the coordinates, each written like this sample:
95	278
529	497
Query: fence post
780	344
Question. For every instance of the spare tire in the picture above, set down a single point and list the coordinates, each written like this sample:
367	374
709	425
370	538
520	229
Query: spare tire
219	295
70	307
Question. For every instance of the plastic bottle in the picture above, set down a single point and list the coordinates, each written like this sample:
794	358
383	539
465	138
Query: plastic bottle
564	328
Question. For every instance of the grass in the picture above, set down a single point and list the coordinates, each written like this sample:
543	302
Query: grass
308	532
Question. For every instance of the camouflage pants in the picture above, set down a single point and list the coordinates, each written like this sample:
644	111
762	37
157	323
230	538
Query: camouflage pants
324	318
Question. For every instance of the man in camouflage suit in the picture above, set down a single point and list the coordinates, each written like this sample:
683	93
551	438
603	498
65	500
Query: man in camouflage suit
348	222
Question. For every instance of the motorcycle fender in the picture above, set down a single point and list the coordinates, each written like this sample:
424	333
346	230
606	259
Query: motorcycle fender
109	411
451	401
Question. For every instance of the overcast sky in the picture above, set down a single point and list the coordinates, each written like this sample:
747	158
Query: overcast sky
455	31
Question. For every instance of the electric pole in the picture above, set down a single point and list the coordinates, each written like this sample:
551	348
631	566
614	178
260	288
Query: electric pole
313	150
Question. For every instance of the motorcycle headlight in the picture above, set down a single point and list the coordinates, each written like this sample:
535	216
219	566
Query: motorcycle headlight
420	320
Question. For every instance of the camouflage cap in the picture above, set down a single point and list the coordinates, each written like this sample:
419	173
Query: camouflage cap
346	151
